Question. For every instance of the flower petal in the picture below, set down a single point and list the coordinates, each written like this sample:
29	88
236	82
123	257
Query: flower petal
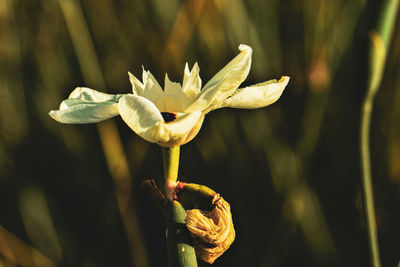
191	81
181	130
87	94
137	86
225	82
141	115
80	111
256	96
152	89
171	88
173	100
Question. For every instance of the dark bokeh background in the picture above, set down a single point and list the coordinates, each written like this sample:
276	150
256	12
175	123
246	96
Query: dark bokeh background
70	194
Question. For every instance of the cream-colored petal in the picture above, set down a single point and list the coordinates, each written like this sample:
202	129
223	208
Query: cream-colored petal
191	81
173	100
179	131
256	96
80	111
87	94
171	88
141	115
152	89
225	82
137	86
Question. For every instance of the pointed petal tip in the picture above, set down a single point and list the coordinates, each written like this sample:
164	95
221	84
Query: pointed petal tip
284	79
52	114
55	116
166	81
144	74
132	77
243	47
195	68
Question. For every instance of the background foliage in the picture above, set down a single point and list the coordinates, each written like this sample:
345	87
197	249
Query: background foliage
70	194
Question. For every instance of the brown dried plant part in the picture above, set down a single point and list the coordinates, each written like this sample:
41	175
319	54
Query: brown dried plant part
212	231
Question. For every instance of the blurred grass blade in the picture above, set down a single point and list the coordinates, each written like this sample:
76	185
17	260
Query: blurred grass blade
325	55
387	19
82	43
19	253
39	224
302	205
14	122
182	31
380	41
114	153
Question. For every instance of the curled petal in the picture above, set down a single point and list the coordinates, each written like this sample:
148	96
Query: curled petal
180	131
143	117
86	105
256	96
212	231
79	111
87	94
225	82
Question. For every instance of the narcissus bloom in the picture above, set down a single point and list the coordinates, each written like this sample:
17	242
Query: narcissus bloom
173	116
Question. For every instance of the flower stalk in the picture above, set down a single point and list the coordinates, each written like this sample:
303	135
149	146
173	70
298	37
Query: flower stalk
171	163
380	41
181	252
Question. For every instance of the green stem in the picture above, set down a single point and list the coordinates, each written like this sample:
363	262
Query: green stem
180	248
380	41
367	183
171	162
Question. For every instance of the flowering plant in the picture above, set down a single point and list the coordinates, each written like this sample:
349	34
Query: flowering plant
170	118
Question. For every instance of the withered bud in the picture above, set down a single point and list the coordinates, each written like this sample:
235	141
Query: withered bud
212	231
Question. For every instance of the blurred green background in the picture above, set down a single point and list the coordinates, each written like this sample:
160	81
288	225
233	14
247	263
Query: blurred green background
70	194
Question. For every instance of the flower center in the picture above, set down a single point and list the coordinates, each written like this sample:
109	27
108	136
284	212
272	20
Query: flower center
168	116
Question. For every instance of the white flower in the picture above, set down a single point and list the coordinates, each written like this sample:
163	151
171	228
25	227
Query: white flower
173	116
